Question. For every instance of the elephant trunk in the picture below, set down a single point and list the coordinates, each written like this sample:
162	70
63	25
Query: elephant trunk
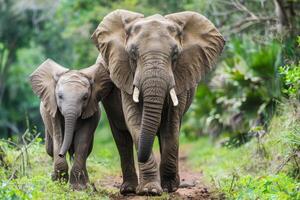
154	93
70	121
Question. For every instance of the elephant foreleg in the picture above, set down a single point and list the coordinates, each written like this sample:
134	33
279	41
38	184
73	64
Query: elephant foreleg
149	181
83	142
53	137
169	142
169	145
60	164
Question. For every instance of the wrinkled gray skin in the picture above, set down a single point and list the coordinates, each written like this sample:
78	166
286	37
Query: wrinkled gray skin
69	109
147	59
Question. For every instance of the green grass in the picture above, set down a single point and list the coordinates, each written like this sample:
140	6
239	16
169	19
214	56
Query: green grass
264	168
35	182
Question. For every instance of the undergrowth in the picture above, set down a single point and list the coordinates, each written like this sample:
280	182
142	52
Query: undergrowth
27	175
25	170
264	168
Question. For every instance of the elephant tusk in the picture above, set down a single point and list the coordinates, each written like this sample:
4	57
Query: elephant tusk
136	94
174	97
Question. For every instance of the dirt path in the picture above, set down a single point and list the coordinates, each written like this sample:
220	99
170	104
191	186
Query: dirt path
190	188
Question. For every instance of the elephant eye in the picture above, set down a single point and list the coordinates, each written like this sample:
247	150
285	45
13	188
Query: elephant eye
128	30
60	96
136	29
171	29
174	53
133	52
85	97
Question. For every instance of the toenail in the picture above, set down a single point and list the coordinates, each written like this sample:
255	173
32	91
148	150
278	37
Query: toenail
154	190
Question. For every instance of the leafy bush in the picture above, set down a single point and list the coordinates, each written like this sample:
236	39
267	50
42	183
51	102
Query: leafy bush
264	168
242	91
291	79
19	103
25	173
278	186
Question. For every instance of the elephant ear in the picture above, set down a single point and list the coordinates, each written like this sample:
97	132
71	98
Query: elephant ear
43	82
101	85
110	39
201	45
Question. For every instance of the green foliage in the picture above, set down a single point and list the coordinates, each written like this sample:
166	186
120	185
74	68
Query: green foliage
36	183
291	79
266	167
278	186
19	101
103	165
242	91
235	104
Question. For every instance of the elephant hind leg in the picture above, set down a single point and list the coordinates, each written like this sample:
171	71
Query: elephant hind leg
125	148
49	143
123	140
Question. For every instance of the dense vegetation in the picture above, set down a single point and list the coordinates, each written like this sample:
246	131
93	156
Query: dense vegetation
242	129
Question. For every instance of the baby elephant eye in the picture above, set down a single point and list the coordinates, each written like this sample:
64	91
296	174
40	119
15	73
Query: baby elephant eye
85	97
60	96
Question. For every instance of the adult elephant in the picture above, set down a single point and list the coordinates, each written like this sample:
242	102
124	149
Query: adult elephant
157	62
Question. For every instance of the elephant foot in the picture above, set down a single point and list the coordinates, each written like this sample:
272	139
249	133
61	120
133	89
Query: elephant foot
128	187
60	170
150	188
78	186
60	176
170	184
79	179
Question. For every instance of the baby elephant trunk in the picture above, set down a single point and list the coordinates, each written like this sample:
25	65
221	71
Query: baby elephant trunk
70	121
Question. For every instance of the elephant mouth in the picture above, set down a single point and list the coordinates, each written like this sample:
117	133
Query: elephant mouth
136	94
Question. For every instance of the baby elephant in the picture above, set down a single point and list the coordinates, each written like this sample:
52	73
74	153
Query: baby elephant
70	112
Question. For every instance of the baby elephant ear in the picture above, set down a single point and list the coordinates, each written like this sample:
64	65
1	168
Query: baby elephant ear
101	86
201	45
43	82
110	38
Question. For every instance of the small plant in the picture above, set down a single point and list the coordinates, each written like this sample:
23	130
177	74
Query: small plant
291	79
264	187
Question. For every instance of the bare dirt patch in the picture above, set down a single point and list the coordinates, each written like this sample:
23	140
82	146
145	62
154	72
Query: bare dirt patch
191	186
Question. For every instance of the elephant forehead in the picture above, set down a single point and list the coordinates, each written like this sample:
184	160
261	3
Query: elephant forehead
155	17
74	77
154	21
